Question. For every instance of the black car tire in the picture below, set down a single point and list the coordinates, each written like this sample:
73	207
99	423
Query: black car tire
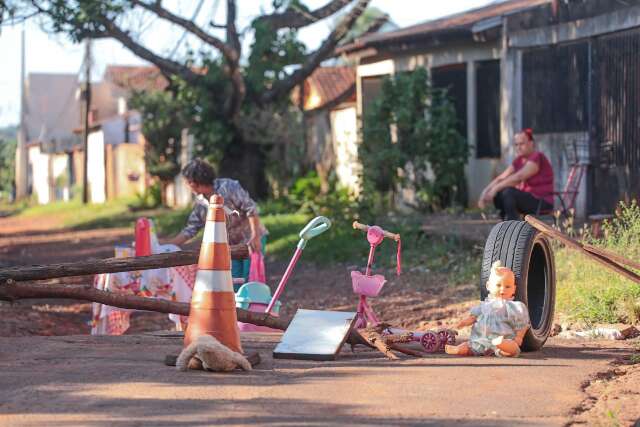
528	254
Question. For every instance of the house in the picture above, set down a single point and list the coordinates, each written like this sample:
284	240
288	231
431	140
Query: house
568	69
120	81
52	111
115	142
54	128
330	124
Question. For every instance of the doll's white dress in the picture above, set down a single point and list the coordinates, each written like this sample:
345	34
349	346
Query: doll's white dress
496	317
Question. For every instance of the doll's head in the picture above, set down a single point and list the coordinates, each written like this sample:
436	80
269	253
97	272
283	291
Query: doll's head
501	283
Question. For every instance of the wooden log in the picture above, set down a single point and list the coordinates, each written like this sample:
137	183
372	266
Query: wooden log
407	351
373	337
574	244
12	291
109	265
612	256
398	338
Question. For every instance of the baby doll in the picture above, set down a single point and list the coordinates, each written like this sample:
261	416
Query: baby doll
499	323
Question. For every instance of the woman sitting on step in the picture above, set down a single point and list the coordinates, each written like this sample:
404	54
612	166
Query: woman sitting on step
526	186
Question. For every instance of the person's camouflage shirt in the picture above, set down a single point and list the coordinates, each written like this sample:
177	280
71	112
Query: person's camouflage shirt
237	199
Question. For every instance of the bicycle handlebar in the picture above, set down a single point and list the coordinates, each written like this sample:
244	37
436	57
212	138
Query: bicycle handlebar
365	228
315	227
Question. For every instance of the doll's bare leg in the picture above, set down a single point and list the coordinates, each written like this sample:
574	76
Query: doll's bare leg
460	350
508	348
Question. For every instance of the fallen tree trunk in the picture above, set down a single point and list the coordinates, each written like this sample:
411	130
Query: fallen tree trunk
598	255
12	291
109	265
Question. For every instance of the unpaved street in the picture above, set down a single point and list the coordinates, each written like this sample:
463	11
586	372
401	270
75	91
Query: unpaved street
73	379
121	381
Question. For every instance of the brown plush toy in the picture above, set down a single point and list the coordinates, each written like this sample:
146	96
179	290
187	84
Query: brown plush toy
209	354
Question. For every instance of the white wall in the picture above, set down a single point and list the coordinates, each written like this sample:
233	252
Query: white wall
345	146
60	166
39	166
96	167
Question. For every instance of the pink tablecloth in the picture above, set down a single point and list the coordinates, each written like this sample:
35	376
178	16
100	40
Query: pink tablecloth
174	283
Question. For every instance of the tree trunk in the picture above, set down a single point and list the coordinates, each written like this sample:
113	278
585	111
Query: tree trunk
246	163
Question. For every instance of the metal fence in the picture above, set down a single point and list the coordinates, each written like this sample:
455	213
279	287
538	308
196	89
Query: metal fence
594	86
555	88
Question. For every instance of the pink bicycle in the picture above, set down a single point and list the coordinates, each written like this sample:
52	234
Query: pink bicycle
368	285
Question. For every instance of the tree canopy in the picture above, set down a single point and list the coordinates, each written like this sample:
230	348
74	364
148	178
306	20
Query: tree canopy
218	87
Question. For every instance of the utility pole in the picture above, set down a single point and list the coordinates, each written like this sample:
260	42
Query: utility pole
21	150
87	109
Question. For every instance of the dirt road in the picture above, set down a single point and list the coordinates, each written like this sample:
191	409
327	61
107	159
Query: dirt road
75	379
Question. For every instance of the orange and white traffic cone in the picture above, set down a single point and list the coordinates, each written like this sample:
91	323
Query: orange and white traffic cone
213	304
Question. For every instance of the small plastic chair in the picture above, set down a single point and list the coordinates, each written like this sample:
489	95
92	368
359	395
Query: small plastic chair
577	158
255	296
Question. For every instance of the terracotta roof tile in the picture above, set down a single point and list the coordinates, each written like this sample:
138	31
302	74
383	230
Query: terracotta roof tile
143	78
332	83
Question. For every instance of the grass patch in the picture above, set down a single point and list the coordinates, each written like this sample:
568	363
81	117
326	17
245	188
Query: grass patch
341	243
75	215
593	294
11	209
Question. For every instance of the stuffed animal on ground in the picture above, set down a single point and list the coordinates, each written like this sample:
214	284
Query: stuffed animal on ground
209	354
499	323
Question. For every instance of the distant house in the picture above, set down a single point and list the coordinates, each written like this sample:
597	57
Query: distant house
567	69
54	127
330	123
52	111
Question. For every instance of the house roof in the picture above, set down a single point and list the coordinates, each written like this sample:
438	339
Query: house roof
52	110
457	24
329	86
142	78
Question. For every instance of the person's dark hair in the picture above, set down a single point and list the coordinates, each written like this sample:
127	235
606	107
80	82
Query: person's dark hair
529	133
199	171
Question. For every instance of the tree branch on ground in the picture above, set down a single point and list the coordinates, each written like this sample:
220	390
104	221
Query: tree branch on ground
12	291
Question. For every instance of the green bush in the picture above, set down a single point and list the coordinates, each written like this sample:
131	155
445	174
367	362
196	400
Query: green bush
305	197
410	140
151	198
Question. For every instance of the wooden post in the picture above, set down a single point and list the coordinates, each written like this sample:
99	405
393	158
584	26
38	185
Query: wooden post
598	255
86	113
11	291
109	265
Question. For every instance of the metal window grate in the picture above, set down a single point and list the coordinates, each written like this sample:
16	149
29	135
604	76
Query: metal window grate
454	78
488	109
555	88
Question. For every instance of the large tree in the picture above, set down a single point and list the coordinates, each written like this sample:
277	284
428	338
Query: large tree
224	84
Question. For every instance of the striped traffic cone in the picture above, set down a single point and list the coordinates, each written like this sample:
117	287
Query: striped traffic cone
213	304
